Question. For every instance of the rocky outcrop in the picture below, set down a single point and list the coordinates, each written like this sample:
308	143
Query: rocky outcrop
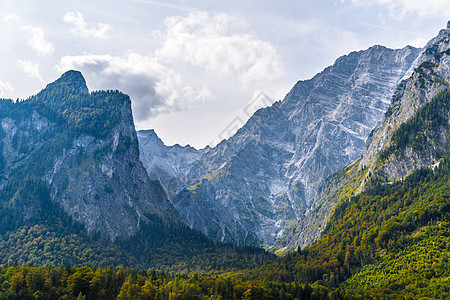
168	165
252	188
83	148
431	76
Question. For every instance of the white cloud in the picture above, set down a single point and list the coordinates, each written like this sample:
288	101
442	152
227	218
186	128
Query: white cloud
81	28
154	88
37	40
31	69
35	35
398	9
5	89
211	42
11	19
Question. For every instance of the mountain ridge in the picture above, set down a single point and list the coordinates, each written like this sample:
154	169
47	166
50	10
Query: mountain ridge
430	76
73	190
273	165
80	149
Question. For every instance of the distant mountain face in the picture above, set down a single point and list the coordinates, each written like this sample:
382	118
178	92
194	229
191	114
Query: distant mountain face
252	188
414	133
74	192
78	150
167	165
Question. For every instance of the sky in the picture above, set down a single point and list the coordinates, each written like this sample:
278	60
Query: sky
196	70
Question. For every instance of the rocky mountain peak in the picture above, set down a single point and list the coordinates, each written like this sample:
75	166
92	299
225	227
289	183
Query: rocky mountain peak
403	142
152	136
250	188
72	79
167	164
429	77
82	149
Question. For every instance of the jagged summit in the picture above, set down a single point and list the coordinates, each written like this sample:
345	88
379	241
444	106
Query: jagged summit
151	134
250	188
82	147
73	79
166	164
386	158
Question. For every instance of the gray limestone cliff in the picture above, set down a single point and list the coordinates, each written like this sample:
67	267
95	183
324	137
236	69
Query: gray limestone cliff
431	75
168	165
395	148
255	186
82	147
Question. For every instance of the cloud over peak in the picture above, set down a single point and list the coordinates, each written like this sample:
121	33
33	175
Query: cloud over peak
210	43
153	87
213	42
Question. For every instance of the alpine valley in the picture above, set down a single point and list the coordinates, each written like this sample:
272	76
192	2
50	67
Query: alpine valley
347	180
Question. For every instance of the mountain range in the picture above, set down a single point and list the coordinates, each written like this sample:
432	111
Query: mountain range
73	190
252	188
395	148
347	170
265	185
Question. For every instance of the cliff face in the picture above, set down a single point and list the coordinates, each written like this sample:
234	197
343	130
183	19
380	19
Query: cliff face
168	165
430	77
82	149
252	188
414	133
